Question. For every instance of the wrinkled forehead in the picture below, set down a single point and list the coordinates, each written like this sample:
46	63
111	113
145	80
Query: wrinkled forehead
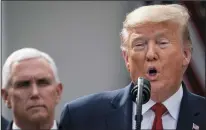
37	61
151	30
33	67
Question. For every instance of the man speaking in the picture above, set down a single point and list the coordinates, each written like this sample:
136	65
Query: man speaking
156	46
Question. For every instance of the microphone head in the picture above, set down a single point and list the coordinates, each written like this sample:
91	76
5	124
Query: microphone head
145	92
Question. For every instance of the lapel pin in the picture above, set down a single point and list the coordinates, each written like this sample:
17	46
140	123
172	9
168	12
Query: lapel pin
195	127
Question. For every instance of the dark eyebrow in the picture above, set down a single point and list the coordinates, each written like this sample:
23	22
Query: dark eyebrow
45	79
21	82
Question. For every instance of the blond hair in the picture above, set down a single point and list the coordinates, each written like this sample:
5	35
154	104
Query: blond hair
156	13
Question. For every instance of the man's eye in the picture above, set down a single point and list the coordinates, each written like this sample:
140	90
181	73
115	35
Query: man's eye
139	45
21	84
163	42
43	82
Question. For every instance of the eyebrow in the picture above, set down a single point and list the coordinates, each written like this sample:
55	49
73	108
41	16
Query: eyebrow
160	33
20	82
44	79
29	79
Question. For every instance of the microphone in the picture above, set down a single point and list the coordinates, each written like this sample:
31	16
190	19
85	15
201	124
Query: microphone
140	95
145	87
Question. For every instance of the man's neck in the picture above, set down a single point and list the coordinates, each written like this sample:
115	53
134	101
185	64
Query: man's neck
34	125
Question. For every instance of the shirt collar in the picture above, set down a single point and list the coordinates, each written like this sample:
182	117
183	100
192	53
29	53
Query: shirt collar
147	106
172	104
15	127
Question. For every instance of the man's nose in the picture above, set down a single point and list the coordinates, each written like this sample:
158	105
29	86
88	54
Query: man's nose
34	91
151	54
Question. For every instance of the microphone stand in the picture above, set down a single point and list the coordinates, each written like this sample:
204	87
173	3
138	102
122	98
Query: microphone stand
139	98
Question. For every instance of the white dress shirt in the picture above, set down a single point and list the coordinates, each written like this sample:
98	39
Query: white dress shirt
169	119
15	127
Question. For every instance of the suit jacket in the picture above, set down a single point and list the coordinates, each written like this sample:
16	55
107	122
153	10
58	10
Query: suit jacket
9	126
4	123
112	110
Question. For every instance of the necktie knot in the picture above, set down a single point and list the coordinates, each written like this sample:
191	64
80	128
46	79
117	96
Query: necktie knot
159	109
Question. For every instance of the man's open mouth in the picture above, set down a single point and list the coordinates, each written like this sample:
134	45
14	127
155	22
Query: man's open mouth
152	71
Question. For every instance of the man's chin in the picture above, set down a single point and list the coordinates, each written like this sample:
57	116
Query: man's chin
38	117
157	87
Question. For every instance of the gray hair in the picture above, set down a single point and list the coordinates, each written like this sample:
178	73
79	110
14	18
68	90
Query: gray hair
156	13
23	54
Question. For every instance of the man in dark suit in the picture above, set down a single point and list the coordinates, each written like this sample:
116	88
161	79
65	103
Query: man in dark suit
156	46
4	123
31	89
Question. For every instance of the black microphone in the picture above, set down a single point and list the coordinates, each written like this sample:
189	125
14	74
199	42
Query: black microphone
143	84
140	95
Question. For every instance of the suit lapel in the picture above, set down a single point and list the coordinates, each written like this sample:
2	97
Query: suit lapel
185	116
188	111
9	126
120	116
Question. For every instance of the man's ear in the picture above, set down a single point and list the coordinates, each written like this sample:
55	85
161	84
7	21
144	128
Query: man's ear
126	59
59	89
6	98
187	55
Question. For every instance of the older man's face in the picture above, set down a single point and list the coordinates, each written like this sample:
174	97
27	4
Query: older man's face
33	93
156	52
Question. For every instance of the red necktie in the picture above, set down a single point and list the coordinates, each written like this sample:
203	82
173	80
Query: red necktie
159	110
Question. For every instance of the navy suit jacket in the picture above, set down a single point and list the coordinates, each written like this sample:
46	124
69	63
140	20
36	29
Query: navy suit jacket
4	123
112	110
9	126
